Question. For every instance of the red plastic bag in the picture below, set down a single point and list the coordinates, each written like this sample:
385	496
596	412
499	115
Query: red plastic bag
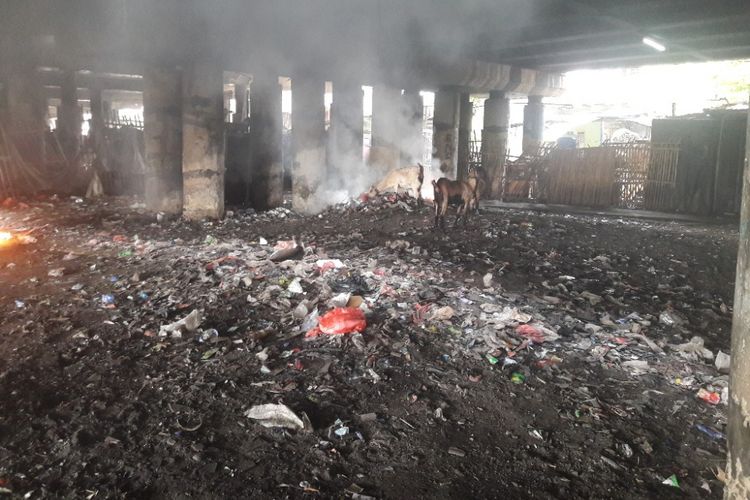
532	333
339	321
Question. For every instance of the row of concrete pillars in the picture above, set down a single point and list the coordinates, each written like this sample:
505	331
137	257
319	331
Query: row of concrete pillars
184	134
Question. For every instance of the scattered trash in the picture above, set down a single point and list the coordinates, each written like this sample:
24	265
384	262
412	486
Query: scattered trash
669	318
286	250
340	321
537	333
671	481
625	450
295	286
275	415
636	365
189	323
711	432
442	314
518	378
722	362
694	349
207	335
456	452
56	273
328	264
713	398
108	299
487	280
340	430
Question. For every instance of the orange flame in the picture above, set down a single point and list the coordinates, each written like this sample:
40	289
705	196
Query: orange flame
6	238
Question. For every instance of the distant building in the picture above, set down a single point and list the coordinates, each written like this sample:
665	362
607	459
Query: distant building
609	129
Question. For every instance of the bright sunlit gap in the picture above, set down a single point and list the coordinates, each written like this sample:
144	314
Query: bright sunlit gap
647	40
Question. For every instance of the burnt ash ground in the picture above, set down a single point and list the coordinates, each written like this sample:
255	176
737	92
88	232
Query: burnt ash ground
93	404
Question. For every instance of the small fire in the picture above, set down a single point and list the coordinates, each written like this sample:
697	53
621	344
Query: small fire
6	238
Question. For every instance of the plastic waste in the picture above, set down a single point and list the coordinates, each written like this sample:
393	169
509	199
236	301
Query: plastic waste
189	323
275	415
722	362
518	378
487	280
295	286
56	273
694	349
669	318
340	300
671	481
636	365
713	398
108	299
311	320
537	333
339	321
207	335
442	314
285	250
710	432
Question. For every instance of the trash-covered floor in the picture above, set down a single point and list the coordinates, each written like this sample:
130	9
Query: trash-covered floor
523	355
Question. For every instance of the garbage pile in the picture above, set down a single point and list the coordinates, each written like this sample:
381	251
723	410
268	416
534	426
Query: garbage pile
330	355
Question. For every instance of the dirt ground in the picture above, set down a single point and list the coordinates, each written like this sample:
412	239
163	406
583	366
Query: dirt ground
444	395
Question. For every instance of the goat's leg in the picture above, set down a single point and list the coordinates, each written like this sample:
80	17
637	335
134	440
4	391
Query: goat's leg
443	212
459	212
437	212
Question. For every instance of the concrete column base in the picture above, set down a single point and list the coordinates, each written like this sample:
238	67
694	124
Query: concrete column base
495	141
466	113
162	132
27	104
445	134
27	110
738	420
69	117
308	134
533	125
203	141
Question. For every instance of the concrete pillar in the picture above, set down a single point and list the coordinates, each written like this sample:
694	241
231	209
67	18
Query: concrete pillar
412	150
347	123
203	142
308	140
267	183
26	100
387	125
466	113
533	125
162	132
738	421
495	139
445	134
96	130
69	117
240	98
107	110
27	111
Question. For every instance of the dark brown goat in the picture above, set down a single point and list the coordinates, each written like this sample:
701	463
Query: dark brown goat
461	193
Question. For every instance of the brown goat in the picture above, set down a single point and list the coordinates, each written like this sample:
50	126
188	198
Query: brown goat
462	193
